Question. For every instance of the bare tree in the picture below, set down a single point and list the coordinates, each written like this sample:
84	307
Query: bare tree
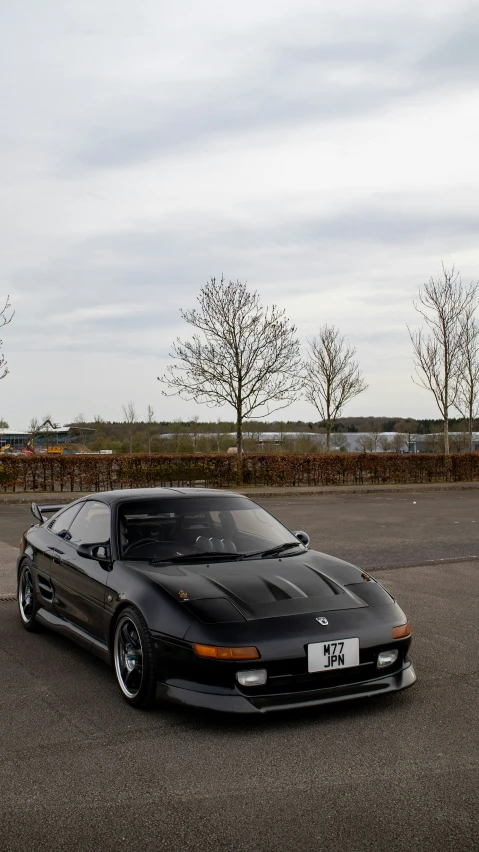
178	431
33	430
130	419
80	422
437	352
385	443
219	431
399	442
254	433
366	443
467	401
340	443
99	434
332	376
375	434
5	318
46	427
242	354
433	442
194	430
405	434
150	414
460	438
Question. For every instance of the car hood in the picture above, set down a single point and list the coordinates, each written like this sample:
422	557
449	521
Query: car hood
264	588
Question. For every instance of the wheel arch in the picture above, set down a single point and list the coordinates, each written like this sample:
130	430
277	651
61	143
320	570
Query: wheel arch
116	615
21	562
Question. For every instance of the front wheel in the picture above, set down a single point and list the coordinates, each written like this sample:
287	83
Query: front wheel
134	659
27	598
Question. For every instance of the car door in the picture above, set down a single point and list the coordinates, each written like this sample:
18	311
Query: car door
79	583
48	545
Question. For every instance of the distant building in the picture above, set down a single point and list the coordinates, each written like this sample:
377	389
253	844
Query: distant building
17	439
352	442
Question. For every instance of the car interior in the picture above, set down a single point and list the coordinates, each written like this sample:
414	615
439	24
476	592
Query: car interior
151	534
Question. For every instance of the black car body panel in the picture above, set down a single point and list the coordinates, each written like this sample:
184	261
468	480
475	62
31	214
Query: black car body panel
272	604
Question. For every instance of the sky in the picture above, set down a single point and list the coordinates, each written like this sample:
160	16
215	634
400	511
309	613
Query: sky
325	151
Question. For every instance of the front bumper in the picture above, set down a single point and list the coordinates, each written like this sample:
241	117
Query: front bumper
232	701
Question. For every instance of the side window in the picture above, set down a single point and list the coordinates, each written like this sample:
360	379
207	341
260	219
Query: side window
63	520
92	524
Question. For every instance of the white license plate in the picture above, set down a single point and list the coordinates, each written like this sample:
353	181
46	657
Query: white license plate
337	654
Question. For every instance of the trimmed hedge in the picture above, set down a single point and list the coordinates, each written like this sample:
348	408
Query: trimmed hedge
103	473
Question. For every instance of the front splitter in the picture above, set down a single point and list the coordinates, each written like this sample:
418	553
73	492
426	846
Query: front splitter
229	702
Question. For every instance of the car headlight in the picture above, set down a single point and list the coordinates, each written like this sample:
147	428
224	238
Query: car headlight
254	677
387	658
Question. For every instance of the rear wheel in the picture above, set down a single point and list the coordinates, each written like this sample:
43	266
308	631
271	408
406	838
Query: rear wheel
134	659
27	598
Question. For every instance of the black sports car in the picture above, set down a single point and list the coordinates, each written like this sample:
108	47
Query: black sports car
204	598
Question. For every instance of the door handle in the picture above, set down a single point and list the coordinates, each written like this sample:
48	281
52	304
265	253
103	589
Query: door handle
55	555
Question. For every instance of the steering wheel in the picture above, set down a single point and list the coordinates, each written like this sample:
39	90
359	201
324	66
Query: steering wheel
140	543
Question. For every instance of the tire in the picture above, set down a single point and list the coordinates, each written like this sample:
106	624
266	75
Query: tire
134	659
27	598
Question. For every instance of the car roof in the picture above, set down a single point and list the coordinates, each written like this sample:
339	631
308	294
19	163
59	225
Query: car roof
127	494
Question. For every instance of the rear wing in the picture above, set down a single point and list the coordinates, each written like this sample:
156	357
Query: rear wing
39	511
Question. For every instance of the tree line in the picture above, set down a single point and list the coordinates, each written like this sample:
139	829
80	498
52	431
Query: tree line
148	434
247	356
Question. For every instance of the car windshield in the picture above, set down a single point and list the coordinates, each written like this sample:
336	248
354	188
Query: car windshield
163	529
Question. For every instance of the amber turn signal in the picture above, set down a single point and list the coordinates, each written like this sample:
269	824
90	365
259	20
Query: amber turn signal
213	652
402	631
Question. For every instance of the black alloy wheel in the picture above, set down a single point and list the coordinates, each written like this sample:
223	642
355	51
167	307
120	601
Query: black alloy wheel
27	598
134	659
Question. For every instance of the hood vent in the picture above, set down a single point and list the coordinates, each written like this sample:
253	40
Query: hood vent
282	589
215	611
371	593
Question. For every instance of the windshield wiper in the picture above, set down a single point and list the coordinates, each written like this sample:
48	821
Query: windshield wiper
273	551
192	557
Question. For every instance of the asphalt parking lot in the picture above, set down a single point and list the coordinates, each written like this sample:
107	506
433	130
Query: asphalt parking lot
372	530
79	769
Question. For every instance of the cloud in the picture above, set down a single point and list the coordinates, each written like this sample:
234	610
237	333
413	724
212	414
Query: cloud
104	313
324	152
334	69
455	55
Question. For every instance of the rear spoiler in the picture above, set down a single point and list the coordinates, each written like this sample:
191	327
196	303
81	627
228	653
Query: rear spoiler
39	511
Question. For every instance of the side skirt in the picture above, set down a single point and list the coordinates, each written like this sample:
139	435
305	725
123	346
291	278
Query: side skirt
71	631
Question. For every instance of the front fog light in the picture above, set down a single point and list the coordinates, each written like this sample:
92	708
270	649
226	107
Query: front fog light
255	677
387	658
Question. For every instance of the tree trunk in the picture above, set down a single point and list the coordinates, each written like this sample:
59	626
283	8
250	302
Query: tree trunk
239	446
471	446
446	437
328	437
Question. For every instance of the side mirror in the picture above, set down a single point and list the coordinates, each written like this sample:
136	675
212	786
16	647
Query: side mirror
100	552
303	537
36	513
